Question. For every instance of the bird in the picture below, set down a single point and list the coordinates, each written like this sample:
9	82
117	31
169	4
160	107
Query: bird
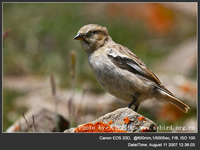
120	72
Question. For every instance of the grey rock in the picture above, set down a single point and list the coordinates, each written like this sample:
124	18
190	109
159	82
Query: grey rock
137	122
71	130
44	121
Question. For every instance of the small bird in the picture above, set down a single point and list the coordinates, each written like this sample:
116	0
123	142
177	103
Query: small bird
120	72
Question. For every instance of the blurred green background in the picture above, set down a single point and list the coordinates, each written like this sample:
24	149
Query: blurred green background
38	38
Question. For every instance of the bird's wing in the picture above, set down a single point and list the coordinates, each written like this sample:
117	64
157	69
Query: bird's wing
126	60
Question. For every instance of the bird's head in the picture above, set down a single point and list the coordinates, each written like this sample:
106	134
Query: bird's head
92	36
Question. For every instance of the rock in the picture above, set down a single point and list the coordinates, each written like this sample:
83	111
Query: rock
123	119
71	130
44	121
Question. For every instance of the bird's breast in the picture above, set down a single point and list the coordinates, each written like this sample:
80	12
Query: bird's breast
118	82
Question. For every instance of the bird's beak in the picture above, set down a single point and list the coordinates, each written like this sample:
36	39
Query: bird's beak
79	36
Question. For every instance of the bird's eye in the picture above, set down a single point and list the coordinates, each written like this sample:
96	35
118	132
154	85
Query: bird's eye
91	33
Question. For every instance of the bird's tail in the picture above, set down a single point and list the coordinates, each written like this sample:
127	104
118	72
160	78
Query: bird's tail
170	98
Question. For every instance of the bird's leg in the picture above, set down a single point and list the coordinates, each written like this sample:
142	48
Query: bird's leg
134	100
136	108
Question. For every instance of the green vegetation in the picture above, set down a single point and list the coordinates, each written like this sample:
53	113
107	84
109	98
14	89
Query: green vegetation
9	107
41	38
